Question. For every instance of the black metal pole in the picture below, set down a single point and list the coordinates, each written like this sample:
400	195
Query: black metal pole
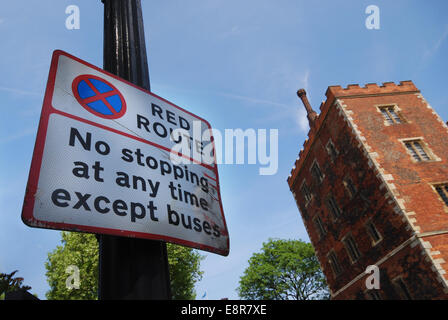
129	268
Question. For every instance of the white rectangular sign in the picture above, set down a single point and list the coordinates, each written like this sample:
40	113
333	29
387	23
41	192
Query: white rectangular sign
112	158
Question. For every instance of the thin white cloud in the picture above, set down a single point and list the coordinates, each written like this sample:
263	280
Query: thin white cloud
304	83
300	115
17	135
306	80
19	91
295	110
253	100
438	44
441	40
232	32
302	120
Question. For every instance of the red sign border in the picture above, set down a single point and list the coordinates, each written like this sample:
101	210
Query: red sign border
36	164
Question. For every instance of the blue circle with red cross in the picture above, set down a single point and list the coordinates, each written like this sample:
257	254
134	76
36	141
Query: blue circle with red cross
99	96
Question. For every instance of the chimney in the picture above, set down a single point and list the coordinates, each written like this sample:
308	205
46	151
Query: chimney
311	114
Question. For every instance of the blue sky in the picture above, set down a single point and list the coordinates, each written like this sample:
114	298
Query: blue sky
237	64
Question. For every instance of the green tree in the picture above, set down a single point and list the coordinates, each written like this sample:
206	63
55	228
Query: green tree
184	271
283	270
81	250
9	283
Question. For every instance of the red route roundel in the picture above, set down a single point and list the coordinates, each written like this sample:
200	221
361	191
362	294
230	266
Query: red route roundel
99	96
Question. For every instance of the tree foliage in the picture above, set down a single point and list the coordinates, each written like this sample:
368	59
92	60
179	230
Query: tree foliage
9	283
283	270
81	250
184	264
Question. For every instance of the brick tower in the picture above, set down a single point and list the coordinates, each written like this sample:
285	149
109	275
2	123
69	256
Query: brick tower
371	183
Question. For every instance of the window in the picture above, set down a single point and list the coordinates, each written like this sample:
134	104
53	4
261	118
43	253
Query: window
351	248
391	115
319	226
373	232
331	149
334	263
442	190
316	173
306	193
373	295
402	289
416	150
333	207
350	187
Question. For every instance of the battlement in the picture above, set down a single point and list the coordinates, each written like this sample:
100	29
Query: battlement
371	89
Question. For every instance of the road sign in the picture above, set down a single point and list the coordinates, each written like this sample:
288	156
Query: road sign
105	161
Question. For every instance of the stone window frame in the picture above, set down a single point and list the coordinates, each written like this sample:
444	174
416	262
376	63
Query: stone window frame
424	145
305	194
445	192
320	176
374	242
373	294
329	147
334	262
352	246
401	288
319	225
349	186
396	109
331	207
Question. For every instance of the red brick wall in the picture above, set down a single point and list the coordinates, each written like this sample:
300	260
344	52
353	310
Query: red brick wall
408	264
411	179
407	180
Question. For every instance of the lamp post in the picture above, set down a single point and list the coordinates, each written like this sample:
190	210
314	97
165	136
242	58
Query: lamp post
129	268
